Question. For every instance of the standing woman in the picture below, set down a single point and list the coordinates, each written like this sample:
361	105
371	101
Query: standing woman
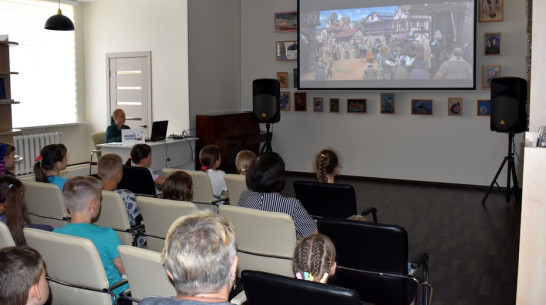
117	123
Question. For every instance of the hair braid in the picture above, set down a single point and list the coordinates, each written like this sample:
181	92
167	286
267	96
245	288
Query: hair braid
322	168
316	265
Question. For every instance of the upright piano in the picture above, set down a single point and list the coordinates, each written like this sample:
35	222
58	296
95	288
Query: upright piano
232	132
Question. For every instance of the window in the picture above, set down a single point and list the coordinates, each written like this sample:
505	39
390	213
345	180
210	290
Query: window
45	61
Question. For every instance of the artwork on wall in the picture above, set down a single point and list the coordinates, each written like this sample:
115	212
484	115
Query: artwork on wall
484	107
488	73
287	50
334	105
455	106
491	44
387	103
286	21
282	77
284	100
356	105
421	107
490	10
300	101
318	104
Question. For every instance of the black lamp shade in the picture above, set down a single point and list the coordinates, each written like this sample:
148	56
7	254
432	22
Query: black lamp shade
59	22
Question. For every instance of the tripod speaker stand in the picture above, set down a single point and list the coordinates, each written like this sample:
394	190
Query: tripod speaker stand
510	174
267	146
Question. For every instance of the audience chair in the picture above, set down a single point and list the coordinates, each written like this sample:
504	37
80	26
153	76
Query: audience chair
138	180
97	138
113	214
329	199
159	214
74	268
372	259
265	240
6	240
145	273
45	204
270	289
202	188
236	184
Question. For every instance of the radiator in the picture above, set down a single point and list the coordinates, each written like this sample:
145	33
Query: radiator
29	146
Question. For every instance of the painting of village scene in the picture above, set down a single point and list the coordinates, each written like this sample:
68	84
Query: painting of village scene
402	42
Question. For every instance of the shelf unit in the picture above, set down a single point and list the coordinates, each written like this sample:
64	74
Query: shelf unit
6	128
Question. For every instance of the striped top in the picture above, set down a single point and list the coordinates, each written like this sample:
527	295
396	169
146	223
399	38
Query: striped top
275	202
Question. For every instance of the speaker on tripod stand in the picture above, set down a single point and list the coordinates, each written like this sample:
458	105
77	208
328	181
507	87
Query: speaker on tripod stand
508	115
266	105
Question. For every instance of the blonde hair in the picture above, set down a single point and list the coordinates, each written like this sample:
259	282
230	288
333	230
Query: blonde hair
108	165
326	162
243	160
315	255
79	191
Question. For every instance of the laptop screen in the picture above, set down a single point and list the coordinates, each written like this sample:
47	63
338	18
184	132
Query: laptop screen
159	130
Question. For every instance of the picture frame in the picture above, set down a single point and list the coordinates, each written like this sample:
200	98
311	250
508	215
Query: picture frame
318	104
356	105
295	76
287	50
300	101
489	72
334	105
284	101
455	106
421	107
483	107
282	77
387	103
285	21
492	44
490	10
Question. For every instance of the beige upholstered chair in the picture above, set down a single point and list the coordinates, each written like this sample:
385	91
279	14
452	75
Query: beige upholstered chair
159	214
202	188
265	240
236	184
97	138
145	273
45	204
114	215
74	268
6	240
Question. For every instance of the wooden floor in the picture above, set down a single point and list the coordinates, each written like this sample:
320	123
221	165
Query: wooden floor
473	249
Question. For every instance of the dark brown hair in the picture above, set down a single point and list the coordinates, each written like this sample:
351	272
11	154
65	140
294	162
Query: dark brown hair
178	186
315	254
21	268
12	196
326	162
138	152
208	155
49	155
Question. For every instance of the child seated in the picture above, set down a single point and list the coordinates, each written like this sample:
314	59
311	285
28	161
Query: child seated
82	196
49	164
141	156
110	170
209	156
7	159
22	277
178	186
243	160
315	259
326	165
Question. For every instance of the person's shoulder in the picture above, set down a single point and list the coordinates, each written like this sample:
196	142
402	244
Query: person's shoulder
161	301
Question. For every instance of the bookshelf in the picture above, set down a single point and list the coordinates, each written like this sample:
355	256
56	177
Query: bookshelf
6	128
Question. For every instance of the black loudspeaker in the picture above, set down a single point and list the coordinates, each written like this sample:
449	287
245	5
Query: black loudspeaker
508	99
266	100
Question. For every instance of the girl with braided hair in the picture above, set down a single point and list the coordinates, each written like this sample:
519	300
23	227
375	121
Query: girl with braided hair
326	165
314	259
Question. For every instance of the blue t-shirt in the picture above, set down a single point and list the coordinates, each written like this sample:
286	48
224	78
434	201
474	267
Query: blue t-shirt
106	241
58	181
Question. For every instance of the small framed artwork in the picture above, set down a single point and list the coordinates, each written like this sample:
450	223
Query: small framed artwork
282	77
491	44
286	21
318	104
287	50
455	106
296	77
300	101
488	73
334	105
356	105
284	100
484	107
421	107
387	103
491	10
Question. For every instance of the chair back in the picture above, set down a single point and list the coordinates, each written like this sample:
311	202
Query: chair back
45	204
159	214
141	265
270	289
6	240
202	187
265	240
72	260
113	214
326	199
98	138
138	180
236	184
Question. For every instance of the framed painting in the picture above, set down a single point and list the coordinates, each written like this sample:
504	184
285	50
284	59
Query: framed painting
334	105
484	107
287	50
455	106
421	107
491	44
356	105
284	100
488	73
286	21
300	101
490	10
282	77
387	103
318	104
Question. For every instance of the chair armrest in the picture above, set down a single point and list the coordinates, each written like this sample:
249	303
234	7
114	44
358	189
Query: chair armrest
118	284
419	259
371	210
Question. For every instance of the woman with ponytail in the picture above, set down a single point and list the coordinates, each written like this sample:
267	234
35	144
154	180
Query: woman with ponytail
49	164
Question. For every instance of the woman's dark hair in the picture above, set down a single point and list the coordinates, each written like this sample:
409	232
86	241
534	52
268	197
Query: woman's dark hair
12	196
49	155
138	152
178	186
266	174
5	150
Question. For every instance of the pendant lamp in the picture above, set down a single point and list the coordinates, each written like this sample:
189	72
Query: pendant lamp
59	22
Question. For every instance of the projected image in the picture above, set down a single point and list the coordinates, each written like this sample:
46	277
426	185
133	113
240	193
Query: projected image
402	46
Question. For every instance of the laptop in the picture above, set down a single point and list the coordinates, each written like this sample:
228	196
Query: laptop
159	131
